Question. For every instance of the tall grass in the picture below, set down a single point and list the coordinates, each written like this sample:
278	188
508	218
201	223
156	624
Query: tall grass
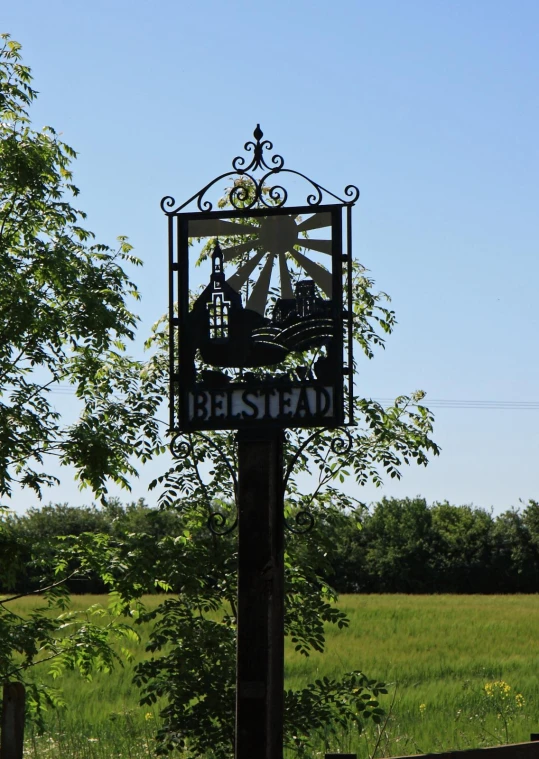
437	652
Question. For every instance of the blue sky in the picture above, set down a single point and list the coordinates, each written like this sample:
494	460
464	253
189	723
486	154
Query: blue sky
429	106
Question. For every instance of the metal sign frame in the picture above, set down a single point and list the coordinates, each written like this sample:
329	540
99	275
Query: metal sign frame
202	401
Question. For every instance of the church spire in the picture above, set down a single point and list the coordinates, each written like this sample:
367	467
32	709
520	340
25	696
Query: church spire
218	274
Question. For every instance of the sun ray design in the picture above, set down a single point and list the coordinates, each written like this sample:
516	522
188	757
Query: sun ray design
316	221
322	246
237	280
274	237
321	276
236	250
287	290
219	228
259	296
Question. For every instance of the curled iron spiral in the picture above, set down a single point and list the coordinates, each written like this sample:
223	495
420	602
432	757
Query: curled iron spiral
304	522
352	192
342	445
217	523
167	202
204	205
278	194
180	448
243	197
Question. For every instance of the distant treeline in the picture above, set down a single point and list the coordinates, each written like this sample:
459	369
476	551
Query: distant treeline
407	546
396	546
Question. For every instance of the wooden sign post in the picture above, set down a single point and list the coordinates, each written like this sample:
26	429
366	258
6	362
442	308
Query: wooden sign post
264	344
12	724
260	646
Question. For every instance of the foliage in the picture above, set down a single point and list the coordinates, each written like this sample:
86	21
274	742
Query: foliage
431	648
192	641
397	545
64	317
63	311
52	635
192	646
328	708
407	546
30	539
492	711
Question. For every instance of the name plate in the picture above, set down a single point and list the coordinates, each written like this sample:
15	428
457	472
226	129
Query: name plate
287	405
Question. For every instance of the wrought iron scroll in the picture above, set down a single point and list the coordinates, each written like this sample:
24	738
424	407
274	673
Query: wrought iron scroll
297	454
249	191
217	522
304	520
180	448
342	445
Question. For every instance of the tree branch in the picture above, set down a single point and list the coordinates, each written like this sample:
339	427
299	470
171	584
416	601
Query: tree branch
39	590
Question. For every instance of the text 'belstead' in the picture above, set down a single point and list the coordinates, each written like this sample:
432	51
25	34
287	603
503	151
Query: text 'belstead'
279	403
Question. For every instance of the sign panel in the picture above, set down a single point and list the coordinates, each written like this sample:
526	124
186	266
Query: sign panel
258	331
306	404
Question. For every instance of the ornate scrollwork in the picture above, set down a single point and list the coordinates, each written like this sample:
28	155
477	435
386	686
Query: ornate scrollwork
217	523
352	192
342	445
167	202
297	454
304	522
244	194
247	191
180	448
257	148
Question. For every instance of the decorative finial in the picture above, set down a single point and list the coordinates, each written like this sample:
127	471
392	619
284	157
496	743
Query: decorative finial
264	191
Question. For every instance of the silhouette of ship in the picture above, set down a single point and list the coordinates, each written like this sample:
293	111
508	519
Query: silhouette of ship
229	335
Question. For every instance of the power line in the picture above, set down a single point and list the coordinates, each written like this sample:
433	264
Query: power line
456	403
471	404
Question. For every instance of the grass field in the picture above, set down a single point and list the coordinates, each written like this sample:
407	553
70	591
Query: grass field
437	652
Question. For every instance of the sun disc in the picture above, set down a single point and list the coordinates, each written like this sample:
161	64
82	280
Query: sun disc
278	234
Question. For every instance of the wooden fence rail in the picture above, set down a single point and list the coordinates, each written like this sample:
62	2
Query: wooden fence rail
512	751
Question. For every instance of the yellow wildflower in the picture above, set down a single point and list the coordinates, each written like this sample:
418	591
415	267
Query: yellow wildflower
499	689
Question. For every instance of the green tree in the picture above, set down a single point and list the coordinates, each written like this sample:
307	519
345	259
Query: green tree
35	536
71	325
463	562
515	556
64	315
48	634
190	666
400	546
